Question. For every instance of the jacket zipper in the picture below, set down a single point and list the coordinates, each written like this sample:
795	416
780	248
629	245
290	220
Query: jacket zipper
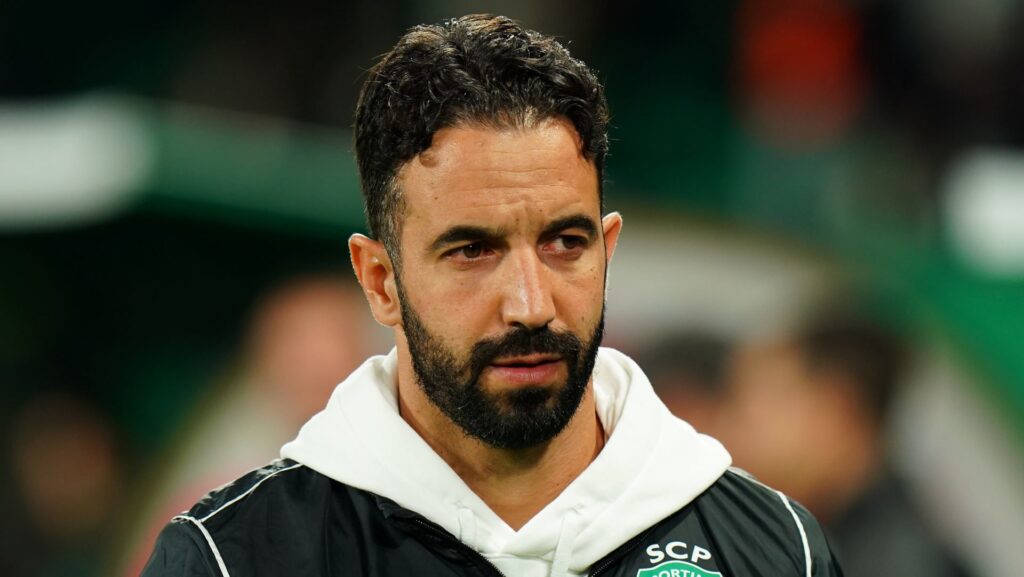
617	555
466	550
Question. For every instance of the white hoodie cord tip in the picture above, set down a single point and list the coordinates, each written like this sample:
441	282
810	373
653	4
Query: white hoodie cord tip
564	546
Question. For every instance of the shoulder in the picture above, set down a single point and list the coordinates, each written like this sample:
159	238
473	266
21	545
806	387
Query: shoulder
182	551
259	484
764	526
272	509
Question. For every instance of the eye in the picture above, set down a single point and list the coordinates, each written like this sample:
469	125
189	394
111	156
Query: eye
468	252
568	244
472	251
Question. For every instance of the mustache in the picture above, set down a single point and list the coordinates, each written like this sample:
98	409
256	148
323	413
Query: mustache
521	342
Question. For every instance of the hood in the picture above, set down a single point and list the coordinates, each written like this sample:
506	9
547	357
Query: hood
650	467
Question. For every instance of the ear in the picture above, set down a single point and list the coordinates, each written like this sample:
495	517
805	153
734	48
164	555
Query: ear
377	277
612	225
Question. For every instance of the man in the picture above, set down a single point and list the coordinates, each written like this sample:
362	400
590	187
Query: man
809	413
496	438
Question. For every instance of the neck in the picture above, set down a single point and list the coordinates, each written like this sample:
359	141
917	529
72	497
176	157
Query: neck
515	483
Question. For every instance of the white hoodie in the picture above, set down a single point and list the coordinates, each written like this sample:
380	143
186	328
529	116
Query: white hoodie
652	465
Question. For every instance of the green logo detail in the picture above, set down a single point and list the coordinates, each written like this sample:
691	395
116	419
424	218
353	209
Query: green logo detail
676	569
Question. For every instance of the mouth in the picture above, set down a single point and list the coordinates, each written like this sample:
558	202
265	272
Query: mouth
527	360
526	370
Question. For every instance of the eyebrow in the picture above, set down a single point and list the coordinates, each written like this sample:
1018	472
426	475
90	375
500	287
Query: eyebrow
580	221
465	232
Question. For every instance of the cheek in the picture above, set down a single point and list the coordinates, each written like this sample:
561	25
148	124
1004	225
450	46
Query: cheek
458	299
582	294
451	308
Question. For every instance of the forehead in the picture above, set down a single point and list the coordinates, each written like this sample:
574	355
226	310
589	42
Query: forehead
479	172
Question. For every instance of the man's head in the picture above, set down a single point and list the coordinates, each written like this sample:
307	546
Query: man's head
480	148
475	70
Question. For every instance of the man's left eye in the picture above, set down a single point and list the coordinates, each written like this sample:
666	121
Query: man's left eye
568	243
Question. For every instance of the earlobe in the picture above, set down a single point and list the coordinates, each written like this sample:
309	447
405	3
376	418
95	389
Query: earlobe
375	272
612	225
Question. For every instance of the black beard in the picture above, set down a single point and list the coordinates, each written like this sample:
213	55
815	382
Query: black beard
517	419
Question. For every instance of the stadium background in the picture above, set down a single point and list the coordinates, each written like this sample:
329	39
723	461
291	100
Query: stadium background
163	165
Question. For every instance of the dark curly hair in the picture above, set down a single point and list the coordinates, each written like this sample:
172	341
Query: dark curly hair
478	69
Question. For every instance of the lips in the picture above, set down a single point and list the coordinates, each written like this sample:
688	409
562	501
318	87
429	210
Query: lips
527	360
529	370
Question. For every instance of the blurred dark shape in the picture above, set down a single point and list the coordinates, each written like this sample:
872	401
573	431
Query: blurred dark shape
304	337
800	70
66	472
291	60
946	76
687	368
807	415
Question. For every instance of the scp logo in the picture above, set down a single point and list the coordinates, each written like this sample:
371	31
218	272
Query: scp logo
677	550
677	559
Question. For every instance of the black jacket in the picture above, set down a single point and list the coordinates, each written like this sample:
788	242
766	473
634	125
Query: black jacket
288	520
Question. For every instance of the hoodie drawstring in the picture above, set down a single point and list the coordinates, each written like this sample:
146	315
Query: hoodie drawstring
467	525
564	546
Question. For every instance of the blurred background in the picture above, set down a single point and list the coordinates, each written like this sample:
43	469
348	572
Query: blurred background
823	262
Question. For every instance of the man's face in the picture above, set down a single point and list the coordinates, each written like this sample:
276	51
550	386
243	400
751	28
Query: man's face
503	259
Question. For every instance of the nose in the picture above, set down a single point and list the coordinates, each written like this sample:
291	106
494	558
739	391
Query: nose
528	299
